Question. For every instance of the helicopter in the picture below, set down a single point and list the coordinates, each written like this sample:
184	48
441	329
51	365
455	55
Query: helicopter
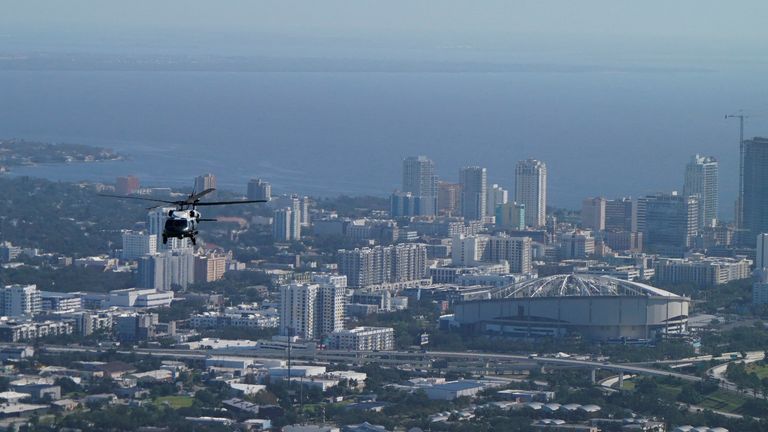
183	221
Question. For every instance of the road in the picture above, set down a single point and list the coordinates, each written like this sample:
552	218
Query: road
414	358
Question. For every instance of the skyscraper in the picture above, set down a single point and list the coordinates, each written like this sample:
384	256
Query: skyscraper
448	197
281	225
167	270
205	181
701	180
510	215
259	189
420	180
496	197
312	310
474	190
761	257
668	222
593	213
531	190
754	181
138	244
621	215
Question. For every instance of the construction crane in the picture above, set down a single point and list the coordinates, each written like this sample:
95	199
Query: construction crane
739	199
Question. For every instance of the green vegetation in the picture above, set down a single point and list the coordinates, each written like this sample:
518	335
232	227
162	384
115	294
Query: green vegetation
175	402
14	152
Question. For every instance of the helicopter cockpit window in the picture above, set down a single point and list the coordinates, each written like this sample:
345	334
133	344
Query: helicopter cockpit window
176	224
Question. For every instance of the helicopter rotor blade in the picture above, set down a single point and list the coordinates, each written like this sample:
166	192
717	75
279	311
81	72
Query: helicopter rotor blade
215	203
207	220
196	196
141	199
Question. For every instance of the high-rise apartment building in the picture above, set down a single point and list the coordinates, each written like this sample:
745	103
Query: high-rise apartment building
474	250
510	216
20	301
669	222
496	196
126	185
210	267
138	244
531	190
312	310
593	213
281	225
701	175
420	180
205	181
754	193
259	189
383	264
166	270
474	192
448	198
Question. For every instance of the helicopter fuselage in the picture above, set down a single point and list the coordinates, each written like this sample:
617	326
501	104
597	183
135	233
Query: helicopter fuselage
181	224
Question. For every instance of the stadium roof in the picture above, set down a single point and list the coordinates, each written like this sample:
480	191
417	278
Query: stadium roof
571	285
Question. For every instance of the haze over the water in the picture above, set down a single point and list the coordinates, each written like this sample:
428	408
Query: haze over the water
328	97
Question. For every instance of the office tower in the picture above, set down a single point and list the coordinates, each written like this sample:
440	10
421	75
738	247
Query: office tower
383	264
20	300
496	197
126	185
531	190
205	181
669	222
312	310
166	270
754	182
474	190
156	222
405	204
593	213
510	216
419	179
621	215
761	257
701	175
760	287
259	189
448	197
138	244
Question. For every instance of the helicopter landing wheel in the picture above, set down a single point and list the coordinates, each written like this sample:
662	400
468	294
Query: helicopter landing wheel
194	241
165	239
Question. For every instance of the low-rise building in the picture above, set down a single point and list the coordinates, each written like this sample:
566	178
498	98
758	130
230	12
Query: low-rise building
364	339
700	270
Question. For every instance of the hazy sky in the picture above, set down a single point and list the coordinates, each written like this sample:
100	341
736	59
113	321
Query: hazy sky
606	27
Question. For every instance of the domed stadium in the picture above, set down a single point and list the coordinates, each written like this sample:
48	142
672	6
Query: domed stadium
596	307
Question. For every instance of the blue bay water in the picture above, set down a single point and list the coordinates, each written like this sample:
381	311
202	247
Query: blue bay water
600	132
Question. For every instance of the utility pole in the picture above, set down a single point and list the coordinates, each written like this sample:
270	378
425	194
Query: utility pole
740	198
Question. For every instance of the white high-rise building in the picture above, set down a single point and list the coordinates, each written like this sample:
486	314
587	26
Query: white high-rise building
165	270
593	213
531	190
383	264
282	220
474	192
305	202
313	310
496	196
420	180
138	244
701	180
20	301
761	257
474	250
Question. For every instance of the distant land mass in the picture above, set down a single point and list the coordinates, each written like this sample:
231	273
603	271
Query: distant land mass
19	152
